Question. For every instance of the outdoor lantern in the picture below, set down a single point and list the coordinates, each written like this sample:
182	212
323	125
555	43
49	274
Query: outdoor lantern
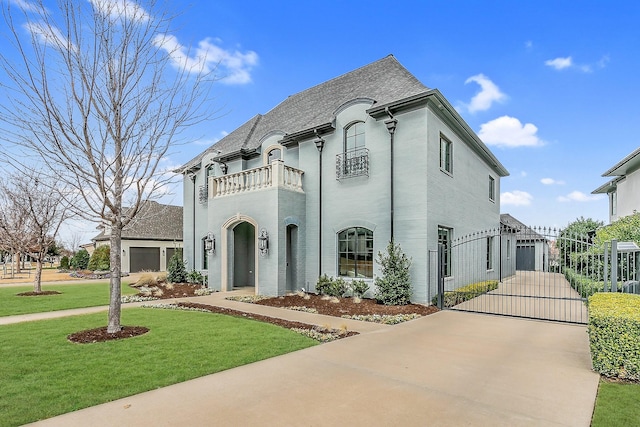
210	243
263	242
224	168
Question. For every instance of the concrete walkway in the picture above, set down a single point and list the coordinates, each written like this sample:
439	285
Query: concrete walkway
450	368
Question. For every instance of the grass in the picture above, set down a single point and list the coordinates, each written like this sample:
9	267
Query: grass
72	296
616	405
43	374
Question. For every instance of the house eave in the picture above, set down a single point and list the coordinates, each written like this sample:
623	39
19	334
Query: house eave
440	104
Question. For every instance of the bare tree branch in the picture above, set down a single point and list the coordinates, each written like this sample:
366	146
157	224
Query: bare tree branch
95	97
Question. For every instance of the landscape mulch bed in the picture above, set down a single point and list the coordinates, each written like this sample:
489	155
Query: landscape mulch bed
346	306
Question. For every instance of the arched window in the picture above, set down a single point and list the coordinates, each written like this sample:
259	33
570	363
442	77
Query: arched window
355	253
275	154
354	136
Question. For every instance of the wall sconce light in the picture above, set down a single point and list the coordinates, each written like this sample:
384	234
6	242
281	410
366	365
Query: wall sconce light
263	242
210	243
224	168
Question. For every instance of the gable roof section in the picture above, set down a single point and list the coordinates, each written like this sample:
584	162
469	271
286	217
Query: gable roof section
154	221
384	81
522	231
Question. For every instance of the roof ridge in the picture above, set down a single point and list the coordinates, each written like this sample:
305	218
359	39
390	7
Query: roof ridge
258	118
341	76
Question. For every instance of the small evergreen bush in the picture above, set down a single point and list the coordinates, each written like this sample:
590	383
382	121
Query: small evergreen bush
176	270
99	260
359	288
80	260
331	287
394	287
323	284
195	276
64	263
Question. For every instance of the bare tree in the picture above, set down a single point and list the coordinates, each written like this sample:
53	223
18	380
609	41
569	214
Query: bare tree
73	242
98	97
30	218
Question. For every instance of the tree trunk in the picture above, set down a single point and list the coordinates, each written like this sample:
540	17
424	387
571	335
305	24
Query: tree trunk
115	259
37	281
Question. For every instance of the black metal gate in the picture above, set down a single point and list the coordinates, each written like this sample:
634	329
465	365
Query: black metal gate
538	273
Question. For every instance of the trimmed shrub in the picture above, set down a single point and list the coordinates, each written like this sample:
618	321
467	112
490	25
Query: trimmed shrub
614	335
99	260
331	287
584	285
64	263
394	287
359	288
195	276
176	271
80	260
323	283
465	293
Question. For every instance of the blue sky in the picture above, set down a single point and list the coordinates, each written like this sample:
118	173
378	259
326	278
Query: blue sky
550	86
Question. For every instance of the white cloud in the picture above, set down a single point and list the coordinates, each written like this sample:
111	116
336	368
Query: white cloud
48	34
516	198
233	67
118	9
559	63
564	63
27	6
579	196
508	131
551	181
488	94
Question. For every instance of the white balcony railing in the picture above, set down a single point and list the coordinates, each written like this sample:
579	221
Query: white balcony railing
275	174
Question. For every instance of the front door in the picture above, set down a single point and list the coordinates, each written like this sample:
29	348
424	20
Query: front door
244	255
292	257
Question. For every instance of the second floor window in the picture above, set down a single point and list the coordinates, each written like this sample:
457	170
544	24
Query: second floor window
354	161
492	189
446	155
354	136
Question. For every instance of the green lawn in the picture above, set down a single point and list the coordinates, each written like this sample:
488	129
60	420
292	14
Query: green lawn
72	296
617	405
43	374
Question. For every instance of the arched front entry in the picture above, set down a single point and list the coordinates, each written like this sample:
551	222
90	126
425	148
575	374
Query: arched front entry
239	253
244	260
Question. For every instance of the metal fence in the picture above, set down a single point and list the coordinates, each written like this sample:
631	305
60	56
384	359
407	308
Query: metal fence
541	273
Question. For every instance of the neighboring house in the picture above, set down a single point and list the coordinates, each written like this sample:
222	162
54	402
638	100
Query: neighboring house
150	240
533	251
624	189
322	182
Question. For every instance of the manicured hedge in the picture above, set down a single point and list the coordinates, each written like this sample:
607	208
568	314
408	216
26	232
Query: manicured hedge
584	285
466	293
614	334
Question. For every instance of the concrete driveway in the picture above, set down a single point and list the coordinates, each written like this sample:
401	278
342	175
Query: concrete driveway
450	368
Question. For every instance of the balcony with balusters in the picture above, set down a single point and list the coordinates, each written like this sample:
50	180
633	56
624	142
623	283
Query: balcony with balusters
274	175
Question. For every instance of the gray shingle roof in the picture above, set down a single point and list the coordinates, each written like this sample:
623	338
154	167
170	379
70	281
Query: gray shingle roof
384	81
154	221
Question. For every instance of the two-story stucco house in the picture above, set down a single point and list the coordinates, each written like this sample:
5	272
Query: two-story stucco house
323	181
624	189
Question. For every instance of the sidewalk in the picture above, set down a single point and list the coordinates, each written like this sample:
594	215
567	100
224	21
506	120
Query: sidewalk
218	299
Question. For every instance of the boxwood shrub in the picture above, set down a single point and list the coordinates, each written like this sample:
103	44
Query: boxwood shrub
466	293
584	285
614	334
